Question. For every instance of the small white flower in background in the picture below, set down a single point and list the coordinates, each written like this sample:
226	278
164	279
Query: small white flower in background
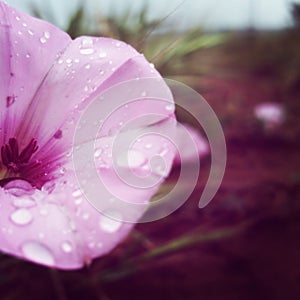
271	114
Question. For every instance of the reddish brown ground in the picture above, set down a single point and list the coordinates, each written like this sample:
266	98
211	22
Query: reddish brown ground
259	200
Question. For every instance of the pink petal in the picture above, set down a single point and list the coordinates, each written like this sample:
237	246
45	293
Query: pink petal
57	226
86	68
28	49
191	144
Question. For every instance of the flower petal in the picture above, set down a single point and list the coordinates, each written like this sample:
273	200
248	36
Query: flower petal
85	69
28	49
191	144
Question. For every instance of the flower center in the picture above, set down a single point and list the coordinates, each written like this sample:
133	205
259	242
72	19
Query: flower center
13	162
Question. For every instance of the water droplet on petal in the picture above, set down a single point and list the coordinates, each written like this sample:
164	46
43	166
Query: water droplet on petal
43	40
102	54
110	225
19	188
48	187
67	247
21	217
133	159
98	153
91	245
30	32
47	34
86	46
170	107
78	201
77	193
38	253
23	202
87	51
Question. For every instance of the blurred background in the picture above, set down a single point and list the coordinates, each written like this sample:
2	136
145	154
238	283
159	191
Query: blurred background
244	58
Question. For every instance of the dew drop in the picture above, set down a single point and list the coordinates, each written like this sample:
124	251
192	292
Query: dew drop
87	66
133	159
160	170
87	51
21	217
19	188
148	146
91	245
78	201
60	61
67	247
30	32
77	193
38	253
110	225
47	34
43	40
48	187
102	54
87	42
170	107
23	202
164	151
98	153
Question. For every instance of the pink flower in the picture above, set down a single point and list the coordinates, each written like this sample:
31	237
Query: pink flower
271	114
47	80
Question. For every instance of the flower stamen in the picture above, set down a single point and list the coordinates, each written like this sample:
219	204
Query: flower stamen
14	161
